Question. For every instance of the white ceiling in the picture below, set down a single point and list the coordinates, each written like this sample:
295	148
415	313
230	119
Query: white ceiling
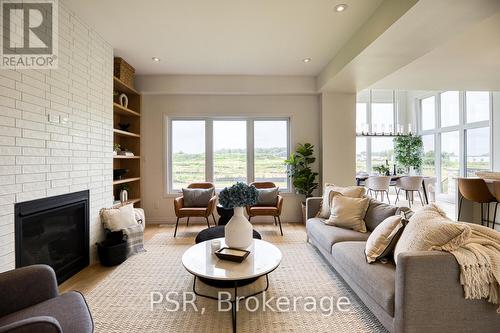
470	60
257	37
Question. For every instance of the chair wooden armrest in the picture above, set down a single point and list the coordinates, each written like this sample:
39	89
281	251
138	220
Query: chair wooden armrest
211	205
178	204
279	204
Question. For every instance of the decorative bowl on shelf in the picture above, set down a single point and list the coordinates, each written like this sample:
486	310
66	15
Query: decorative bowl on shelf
119	173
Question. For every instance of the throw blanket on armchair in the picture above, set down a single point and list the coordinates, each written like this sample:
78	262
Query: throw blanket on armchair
479	260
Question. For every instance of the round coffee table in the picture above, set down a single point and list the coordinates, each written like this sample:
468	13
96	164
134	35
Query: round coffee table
199	260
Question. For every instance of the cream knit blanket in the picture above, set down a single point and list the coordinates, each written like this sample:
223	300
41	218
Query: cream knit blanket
479	260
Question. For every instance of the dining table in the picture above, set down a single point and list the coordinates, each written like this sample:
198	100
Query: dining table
362	178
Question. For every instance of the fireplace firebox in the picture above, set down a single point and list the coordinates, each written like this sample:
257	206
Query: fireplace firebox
54	231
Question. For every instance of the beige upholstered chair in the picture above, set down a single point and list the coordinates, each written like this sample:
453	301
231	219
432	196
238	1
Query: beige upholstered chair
181	211
379	185
274	211
409	184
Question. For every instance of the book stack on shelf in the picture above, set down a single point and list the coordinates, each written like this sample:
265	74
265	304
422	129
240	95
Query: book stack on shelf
127	133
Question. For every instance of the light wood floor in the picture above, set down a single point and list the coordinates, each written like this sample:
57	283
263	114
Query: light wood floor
90	277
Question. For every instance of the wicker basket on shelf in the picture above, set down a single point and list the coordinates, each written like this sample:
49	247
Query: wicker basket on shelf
124	71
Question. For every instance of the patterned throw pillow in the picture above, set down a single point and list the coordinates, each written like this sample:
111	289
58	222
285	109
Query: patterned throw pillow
350	191
384	237
348	212
430	229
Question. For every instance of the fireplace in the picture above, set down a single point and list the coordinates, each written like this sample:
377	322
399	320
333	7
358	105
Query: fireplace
54	231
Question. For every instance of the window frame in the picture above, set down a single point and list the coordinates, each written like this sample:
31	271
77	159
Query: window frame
368	121
209	156
462	128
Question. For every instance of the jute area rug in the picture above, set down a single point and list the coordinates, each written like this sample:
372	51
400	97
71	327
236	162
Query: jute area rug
122	302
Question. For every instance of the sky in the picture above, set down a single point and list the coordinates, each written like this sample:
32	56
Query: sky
188	136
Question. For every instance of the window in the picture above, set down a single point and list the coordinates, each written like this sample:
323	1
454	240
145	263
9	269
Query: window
383	117
478	150
428	113
450	108
271	149
361	117
225	151
450	161
382	151
361	154
230	152
188	152
463	144
429	159
478	106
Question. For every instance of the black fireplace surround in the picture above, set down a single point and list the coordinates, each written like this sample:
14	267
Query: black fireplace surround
54	231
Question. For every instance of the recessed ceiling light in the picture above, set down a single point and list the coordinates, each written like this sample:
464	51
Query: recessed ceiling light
340	8
306	60
156	59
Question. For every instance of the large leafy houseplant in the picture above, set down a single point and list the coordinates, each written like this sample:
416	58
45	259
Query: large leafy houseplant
408	151
300	171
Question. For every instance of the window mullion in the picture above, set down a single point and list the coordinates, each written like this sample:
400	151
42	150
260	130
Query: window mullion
209	151
250	151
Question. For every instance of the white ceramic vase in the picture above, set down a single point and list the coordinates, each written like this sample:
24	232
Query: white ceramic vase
239	232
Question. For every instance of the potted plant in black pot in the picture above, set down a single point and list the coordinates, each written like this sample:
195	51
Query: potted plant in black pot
301	173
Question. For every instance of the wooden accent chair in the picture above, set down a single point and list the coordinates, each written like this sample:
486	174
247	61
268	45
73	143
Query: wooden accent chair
274	211
181	211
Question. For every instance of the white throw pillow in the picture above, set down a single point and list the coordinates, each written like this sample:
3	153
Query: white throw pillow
349	191
430	229
348	212
120	218
383	239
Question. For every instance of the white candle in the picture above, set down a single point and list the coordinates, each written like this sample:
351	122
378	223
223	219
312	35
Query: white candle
215	245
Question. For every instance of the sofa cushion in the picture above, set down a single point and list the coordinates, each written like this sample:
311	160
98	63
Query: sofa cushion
377	212
348	212
69	309
349	191
377	279
327	235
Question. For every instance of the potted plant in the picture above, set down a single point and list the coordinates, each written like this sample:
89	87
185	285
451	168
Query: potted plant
301	173
238	231
116	149
408	151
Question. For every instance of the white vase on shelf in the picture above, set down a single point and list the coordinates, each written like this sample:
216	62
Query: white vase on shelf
238	231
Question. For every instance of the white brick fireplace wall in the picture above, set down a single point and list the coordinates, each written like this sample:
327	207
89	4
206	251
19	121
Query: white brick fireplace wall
39	158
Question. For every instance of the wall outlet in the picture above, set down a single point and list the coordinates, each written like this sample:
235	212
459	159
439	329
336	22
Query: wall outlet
53	118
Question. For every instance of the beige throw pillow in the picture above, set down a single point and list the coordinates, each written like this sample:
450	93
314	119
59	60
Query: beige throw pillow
349	191
430	229
383	238
347	212
120	218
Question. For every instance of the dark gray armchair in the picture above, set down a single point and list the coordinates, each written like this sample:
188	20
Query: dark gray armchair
30	302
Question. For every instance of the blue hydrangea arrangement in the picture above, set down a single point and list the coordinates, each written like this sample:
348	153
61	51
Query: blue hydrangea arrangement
238	195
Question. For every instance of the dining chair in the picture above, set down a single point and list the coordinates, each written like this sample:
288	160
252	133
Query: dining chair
379	185
182	212
476	190
409	184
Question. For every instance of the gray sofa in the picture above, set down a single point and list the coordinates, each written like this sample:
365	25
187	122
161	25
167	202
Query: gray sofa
421	294
30	302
